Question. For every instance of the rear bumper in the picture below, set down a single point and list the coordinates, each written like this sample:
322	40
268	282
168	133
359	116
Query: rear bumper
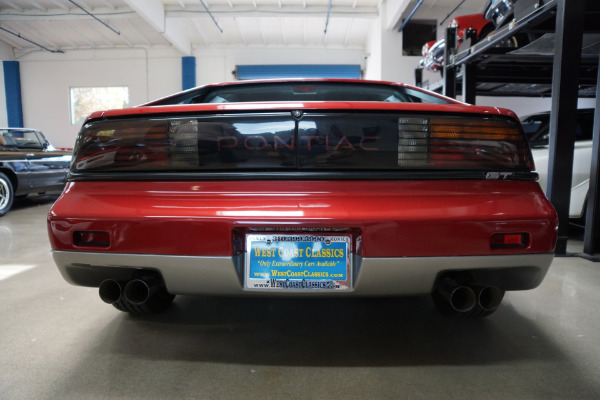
393	218
196	275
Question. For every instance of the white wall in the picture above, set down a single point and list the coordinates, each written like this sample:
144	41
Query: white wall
374	55
6	52
217	65
47	78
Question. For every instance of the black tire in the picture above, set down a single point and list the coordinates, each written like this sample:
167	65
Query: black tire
445	308
511	42
158	302
7	194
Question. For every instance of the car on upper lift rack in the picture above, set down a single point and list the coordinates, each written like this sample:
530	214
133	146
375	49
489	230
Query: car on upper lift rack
473	26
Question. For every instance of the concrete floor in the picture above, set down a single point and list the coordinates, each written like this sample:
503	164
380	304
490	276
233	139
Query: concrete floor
59	341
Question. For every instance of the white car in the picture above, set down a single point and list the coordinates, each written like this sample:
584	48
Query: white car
537	129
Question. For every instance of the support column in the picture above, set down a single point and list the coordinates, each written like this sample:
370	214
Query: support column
469	83
188	72
12	87
419	77
450	72
591	239
563	120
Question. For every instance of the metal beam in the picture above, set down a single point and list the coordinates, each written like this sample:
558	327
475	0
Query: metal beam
450	71
419	77
93	16
268	11
410	15
591	238
212	17
393	12
156	18
30	41
153	12
469	83
452	12
563	118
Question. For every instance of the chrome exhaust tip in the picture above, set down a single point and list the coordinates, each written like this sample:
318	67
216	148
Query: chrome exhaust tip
138	291
461	298
110	291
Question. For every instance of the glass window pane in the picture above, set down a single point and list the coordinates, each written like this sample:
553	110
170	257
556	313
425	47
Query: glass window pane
86	100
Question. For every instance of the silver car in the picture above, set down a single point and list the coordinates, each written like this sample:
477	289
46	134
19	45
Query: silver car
537	129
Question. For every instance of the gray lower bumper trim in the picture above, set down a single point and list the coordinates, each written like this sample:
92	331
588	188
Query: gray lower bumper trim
373	276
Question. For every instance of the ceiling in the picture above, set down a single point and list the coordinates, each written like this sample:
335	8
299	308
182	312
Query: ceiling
67	25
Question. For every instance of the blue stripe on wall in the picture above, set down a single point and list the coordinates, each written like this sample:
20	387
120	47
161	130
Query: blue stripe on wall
188	72
298	71
12	87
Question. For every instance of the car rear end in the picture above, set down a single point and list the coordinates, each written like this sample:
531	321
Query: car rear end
304	199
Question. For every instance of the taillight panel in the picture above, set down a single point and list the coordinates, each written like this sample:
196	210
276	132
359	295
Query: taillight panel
284	141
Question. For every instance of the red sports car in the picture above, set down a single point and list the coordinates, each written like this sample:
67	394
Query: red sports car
473	26
303	188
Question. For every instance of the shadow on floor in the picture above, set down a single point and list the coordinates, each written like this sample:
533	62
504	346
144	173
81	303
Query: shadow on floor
34	200
325	332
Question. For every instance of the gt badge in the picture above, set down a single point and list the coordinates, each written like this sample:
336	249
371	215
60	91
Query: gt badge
498	175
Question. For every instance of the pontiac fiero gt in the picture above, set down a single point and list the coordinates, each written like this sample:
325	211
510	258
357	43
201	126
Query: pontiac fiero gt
303	188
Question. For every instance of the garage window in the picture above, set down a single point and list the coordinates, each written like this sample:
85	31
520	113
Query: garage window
415	34
343	71
86	100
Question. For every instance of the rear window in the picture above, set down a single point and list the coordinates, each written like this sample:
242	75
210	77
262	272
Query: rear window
303	91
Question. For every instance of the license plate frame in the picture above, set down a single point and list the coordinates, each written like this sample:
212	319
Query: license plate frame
298	262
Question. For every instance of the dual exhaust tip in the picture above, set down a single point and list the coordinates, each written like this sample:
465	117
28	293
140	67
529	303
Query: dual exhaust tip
463	298
136	291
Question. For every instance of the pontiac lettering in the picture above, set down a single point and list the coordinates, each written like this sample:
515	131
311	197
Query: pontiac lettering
258	143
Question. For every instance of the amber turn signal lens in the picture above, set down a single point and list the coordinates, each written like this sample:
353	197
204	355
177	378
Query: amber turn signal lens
456	128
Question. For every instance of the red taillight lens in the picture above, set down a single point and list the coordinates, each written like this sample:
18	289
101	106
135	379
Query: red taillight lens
509	240
122	144
91	238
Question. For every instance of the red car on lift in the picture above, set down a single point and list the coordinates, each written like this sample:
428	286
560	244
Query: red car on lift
303	188
472	26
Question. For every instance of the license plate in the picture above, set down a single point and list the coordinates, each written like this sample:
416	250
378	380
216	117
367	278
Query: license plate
297	262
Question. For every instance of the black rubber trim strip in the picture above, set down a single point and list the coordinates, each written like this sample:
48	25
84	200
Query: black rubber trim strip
296	175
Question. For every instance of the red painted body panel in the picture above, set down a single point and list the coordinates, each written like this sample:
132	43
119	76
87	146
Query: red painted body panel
329	106
395	218
473	21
